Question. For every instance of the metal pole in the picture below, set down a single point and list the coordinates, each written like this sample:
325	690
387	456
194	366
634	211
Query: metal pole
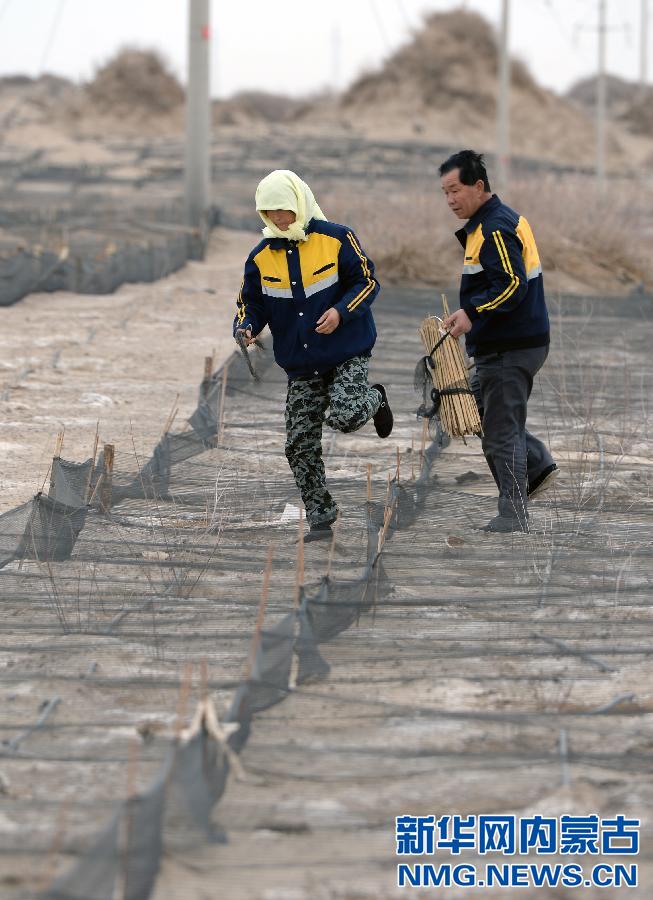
198	115
643	44
503	104
600	99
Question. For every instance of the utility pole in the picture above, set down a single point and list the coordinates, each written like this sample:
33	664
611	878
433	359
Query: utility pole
503	103
600	99
197	182
643	43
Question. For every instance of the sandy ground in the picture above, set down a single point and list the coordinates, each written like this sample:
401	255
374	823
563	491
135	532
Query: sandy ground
69	362
441	701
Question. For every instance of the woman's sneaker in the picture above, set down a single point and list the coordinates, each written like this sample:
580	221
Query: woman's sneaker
383	418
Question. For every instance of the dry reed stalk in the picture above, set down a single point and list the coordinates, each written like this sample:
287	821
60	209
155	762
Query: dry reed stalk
223	396
58	447
172	415
89	482
422	446
458	411
333	546
299	572
265	588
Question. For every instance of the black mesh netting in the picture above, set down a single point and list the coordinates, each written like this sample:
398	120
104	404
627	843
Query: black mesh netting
414	660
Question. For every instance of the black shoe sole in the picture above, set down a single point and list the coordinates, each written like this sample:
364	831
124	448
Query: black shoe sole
383	418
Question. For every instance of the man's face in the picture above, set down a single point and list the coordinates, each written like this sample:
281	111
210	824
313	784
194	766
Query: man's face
463	199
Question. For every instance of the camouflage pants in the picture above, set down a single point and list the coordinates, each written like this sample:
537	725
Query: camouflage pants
351	403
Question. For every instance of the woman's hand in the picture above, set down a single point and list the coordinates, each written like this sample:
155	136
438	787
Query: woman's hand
247	334
328	321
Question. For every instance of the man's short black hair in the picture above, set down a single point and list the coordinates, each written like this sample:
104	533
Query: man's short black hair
471	165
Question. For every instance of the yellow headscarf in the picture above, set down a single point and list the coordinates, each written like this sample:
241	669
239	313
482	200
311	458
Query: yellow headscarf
282	189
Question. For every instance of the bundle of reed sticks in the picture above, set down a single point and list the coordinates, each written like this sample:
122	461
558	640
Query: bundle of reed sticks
458	410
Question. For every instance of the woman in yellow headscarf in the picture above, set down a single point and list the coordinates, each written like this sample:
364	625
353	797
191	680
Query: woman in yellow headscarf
311	282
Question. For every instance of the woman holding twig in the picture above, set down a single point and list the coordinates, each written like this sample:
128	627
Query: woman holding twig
310	280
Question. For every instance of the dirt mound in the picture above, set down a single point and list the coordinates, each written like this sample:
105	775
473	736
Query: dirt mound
135	82
135	92
25	101
258	106
628	102
450	58
442	85
45	86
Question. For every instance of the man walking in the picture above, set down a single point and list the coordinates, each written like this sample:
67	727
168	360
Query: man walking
504	319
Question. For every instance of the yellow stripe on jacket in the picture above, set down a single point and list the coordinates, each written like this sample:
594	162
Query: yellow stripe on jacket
369	287
505	262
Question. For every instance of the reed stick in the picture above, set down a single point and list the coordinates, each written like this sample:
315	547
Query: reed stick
458	412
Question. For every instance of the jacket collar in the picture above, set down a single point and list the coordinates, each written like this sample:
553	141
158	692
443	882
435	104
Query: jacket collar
479	216
276	243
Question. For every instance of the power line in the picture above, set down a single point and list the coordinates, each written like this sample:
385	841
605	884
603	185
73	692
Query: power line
51	36
404	14
3	8
7	118
380	25
548	4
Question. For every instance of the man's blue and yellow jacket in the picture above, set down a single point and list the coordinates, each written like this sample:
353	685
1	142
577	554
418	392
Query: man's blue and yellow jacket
289	284
502	289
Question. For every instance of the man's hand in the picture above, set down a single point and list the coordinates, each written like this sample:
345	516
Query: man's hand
245	333
457	323
328	321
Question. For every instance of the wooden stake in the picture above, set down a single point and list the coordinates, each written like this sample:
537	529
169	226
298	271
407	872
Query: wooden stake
204	680
57	455
58	447
369	482
263	602
107	477
208	371
398	463
184	693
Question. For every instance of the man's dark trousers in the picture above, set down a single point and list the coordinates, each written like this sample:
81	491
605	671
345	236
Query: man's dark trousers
502	383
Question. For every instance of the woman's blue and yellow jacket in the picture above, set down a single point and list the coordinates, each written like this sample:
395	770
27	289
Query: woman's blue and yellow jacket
502	289
289	284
